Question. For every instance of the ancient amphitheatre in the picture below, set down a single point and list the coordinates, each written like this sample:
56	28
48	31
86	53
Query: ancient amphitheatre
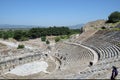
68	59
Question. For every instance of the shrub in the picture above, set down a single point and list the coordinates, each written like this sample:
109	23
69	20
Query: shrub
47	42
103	27
118	44
20	46
57	39
43	38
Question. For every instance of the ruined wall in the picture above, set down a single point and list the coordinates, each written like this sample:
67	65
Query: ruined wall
6	66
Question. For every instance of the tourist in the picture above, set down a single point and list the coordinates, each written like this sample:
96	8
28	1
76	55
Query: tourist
114	73
90	64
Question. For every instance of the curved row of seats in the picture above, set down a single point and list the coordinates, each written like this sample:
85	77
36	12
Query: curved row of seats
102	66
102	43
105	43
73	55
107	52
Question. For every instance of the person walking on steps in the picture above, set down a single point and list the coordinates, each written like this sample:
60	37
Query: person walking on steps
114	73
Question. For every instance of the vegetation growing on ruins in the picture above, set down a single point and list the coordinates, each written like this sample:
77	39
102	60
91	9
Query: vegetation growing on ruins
114	17
20	46
116	29
119	44
57	39
47	42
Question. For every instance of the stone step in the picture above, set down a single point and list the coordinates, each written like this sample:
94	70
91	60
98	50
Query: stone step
117	51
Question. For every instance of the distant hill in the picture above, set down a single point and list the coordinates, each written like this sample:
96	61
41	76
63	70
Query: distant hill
8	26
78	26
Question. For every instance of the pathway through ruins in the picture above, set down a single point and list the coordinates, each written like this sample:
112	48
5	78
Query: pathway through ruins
12	44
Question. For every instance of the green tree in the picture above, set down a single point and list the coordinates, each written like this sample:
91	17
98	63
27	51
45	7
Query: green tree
18	35
10	33
114	17
5	36
33	33
1	34
21	35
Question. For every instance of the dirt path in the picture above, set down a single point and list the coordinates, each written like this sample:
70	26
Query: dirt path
11	44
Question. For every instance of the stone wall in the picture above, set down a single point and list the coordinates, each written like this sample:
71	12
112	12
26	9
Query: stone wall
10	64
